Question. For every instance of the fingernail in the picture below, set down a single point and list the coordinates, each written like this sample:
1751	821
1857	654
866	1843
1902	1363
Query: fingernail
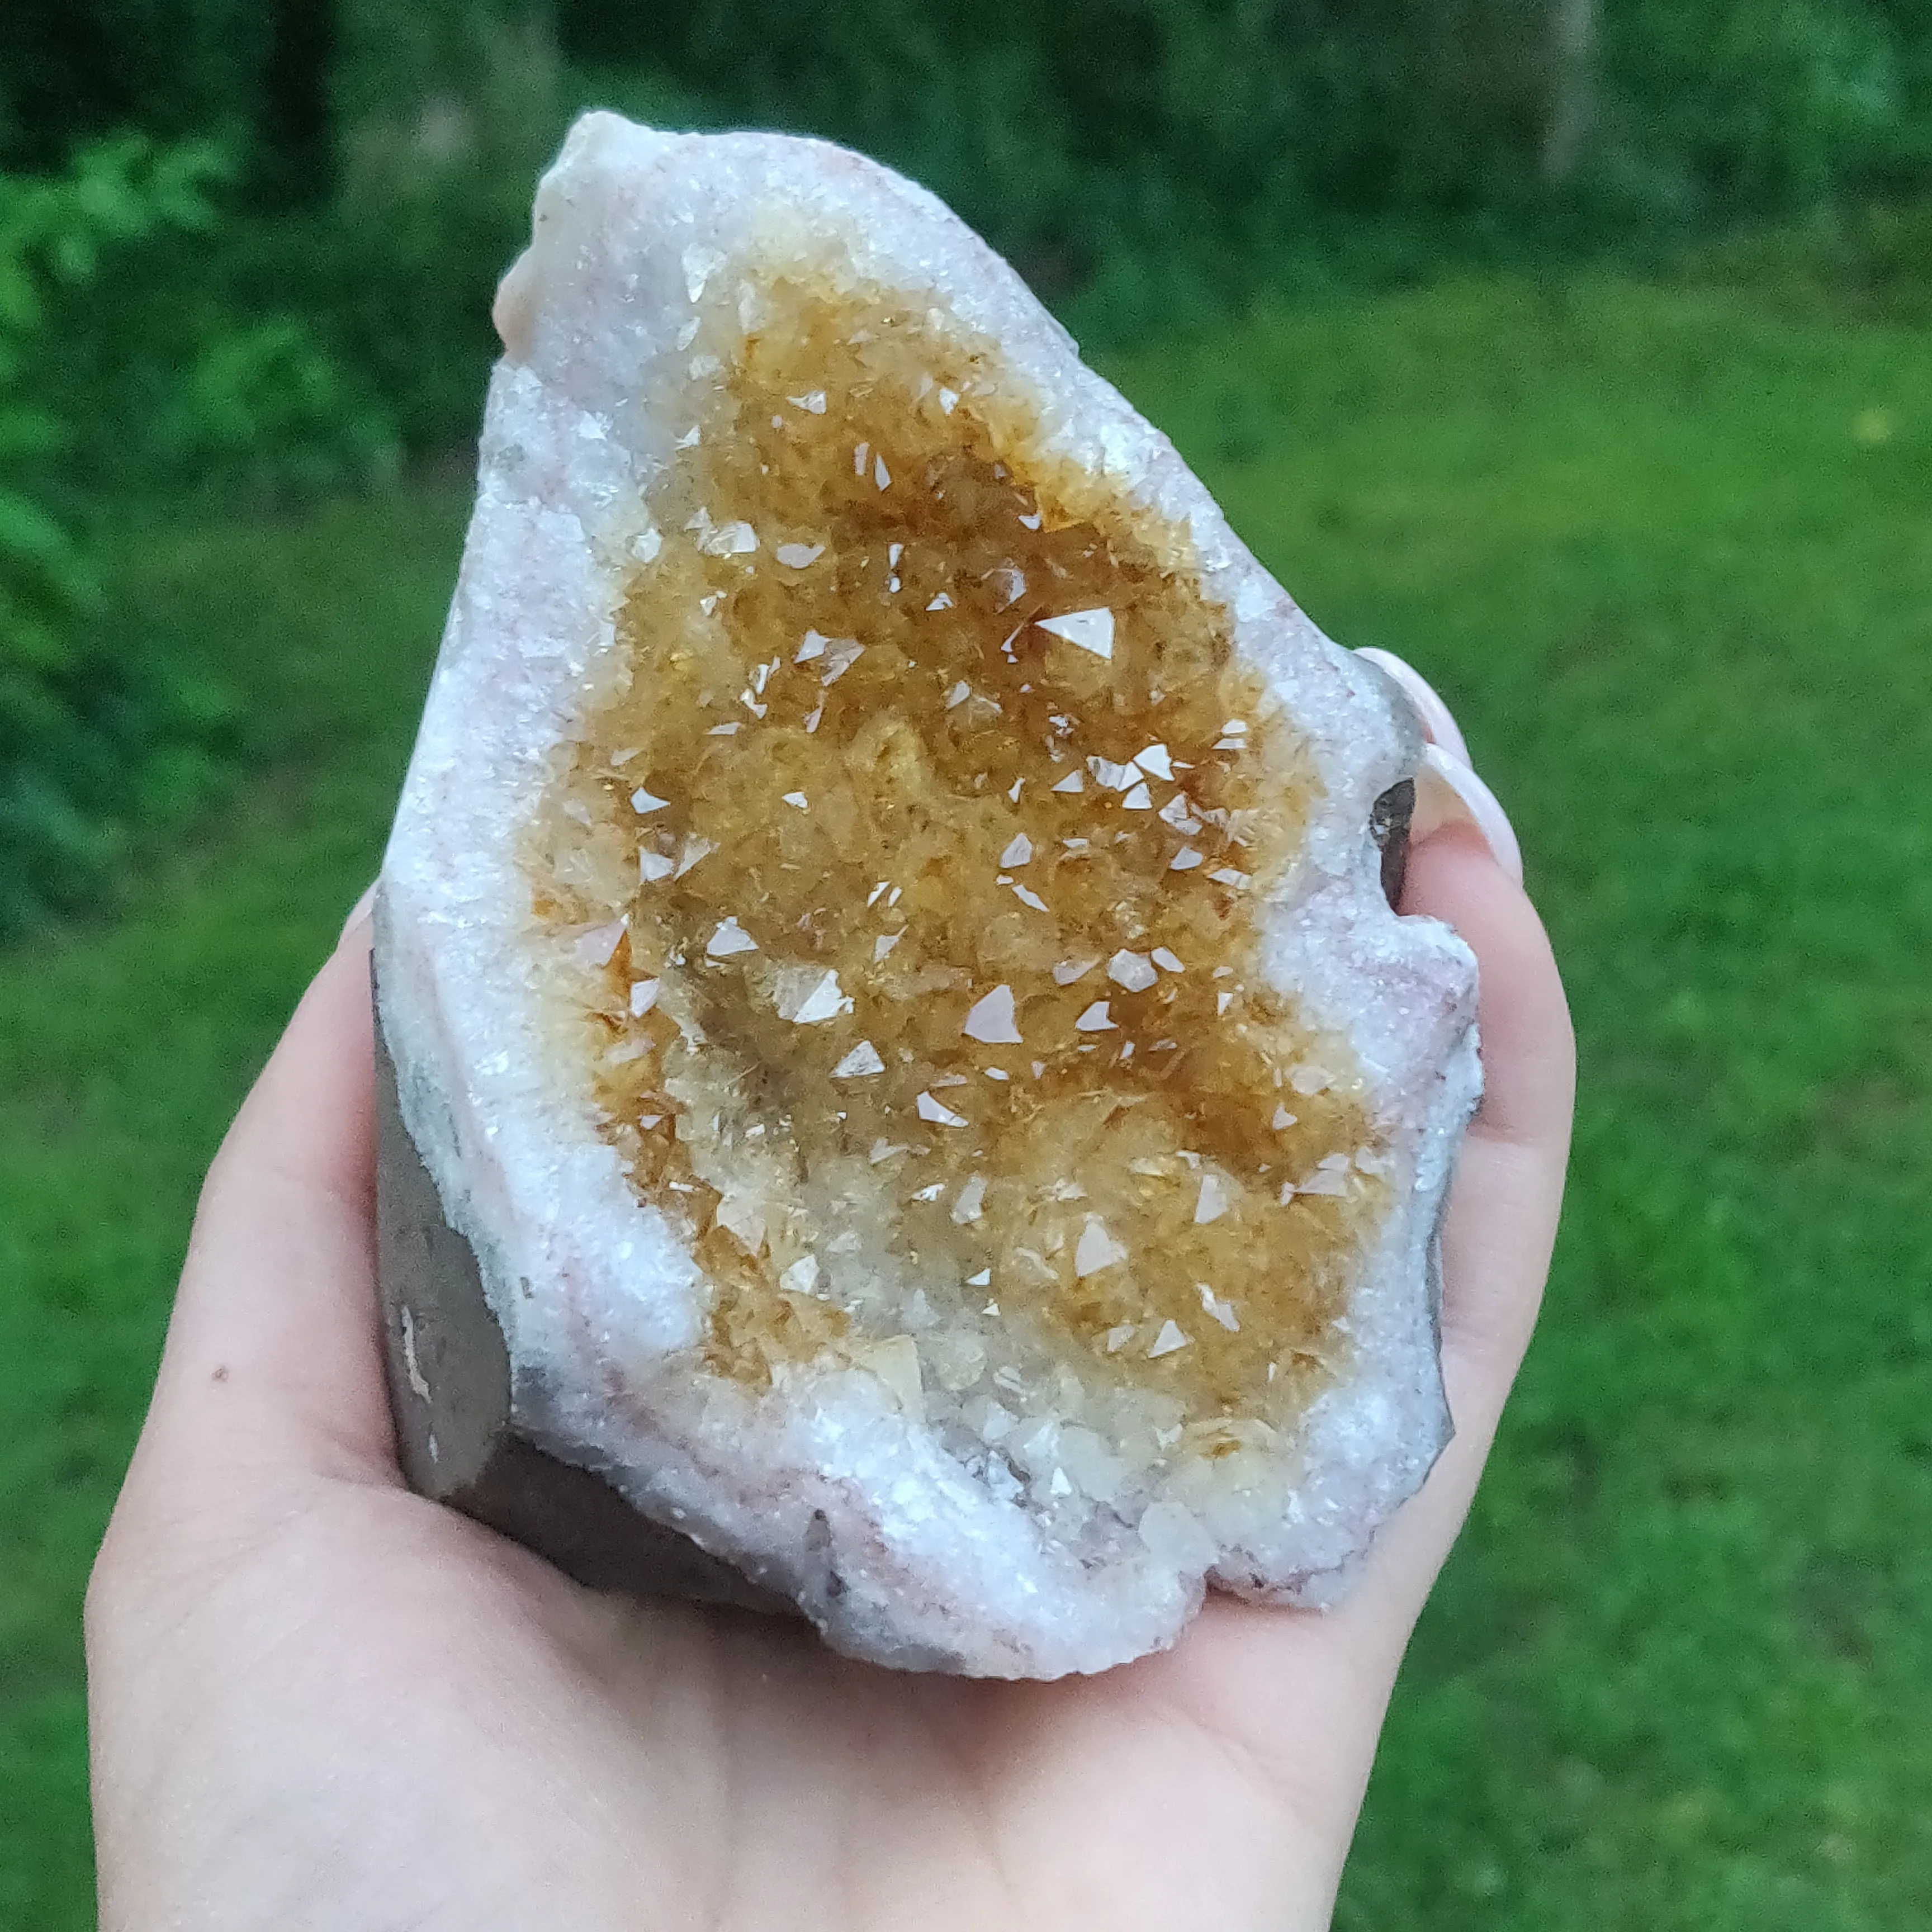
1447	792
357	913
1438	722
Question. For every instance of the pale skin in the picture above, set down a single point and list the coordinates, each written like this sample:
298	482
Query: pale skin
319	1702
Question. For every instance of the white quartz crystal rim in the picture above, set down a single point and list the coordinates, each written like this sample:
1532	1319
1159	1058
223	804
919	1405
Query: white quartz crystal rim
827	1491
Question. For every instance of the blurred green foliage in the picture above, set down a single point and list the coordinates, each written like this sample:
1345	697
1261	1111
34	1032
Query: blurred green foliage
1131	121
102	736
85	735
171	68
1149	163
1765	107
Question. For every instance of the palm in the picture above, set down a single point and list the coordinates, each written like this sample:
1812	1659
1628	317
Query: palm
395	1718
553	1755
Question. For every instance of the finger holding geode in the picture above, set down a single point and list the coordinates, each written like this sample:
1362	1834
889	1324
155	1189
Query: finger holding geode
886	964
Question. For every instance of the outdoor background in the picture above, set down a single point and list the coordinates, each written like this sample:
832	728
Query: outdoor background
1578	350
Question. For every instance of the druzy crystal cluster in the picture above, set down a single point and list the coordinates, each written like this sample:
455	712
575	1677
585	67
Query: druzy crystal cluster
884	959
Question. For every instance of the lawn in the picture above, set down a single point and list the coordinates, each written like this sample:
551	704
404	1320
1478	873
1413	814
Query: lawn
1670	557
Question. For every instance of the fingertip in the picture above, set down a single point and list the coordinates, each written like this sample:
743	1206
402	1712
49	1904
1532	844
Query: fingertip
359	916
312	1109
1448	791
1523	1014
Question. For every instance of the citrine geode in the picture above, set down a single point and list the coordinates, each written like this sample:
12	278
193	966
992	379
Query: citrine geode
885	962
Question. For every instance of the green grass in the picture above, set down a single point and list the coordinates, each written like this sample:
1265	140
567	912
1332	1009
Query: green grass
124	1050
1679	1674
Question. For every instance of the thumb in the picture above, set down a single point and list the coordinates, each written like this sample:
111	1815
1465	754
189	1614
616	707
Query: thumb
273	1364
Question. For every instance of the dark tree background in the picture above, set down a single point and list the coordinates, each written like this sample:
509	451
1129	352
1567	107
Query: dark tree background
1113	113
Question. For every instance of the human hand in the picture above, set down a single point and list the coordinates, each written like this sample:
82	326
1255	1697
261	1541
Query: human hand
320	1702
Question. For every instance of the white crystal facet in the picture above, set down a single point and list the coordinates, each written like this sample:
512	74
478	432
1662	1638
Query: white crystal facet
992	1020
1090	630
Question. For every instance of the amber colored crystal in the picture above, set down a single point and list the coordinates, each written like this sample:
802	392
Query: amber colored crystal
832	797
